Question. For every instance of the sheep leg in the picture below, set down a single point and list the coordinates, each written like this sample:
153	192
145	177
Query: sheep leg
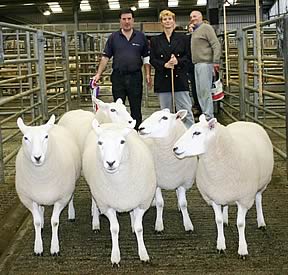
159	209
132	219
225	214
221	246
38	221
95	216
259	211
93	205
138	226
182	203
71	210
179	209
57	209
114	229
41	211
241	215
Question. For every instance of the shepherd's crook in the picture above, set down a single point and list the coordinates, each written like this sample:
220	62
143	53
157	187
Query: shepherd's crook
172	86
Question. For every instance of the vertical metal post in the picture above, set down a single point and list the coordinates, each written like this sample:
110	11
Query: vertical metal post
36	96
29	69
285	55
256	80
1	47
77	46
65	63
1	52
226	45
42	75
241	69
2	178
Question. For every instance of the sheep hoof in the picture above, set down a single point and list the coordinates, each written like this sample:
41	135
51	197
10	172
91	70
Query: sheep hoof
190	231
115	265
71	220
262	228
243	257
55	254
145	262
38	254
221	251
96	231
159	232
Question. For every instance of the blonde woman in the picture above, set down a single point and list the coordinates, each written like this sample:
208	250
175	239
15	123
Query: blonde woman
170	51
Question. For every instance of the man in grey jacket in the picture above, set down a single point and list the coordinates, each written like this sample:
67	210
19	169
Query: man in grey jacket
206	52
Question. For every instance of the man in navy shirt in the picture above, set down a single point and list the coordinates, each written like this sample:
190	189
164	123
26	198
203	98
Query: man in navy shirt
129	49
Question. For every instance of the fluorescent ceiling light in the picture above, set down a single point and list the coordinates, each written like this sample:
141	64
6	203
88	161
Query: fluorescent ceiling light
46	13
29	4
85	6
133	8
201	2
2	6
143	4
172	3
55	7
113	5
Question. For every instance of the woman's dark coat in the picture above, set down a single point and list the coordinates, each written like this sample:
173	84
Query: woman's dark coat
160	53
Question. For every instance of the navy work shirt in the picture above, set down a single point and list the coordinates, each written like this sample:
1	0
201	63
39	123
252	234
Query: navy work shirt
127	55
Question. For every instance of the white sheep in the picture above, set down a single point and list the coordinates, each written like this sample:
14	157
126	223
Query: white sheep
47	167
235	166
119	170
163	129
79	123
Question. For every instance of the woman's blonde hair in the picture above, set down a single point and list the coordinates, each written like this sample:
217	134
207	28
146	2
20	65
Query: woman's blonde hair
166	13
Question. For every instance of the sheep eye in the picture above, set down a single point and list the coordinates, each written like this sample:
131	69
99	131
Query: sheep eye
25	138
164	117
113	110
100	142
196	133
122	141
46	136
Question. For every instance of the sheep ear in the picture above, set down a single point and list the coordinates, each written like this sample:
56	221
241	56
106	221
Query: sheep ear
21	125
166	110
212	123
96	126
48	125
119	101
202	118
100	103
51	121
181	114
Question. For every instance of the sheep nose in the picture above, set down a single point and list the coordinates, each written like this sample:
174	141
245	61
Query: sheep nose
110	163
175	149
37	158
130	121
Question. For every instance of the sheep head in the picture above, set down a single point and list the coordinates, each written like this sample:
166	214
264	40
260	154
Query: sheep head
116	111
158	125
35	140
111	142
195	140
